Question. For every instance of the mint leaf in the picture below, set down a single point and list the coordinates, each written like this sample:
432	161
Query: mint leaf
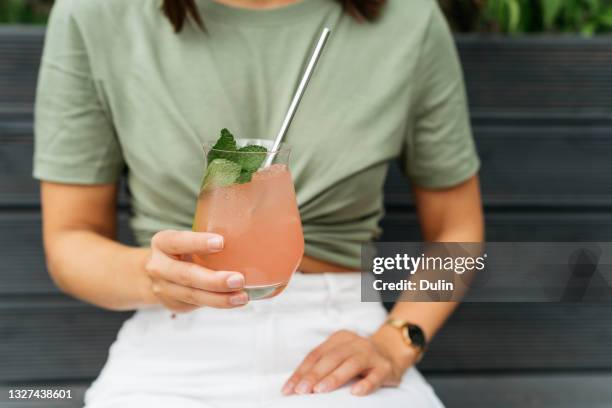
245	177
220	173
253	158
245	160
250	160
224	147
226	141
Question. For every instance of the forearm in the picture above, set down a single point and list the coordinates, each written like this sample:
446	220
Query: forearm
430	316
99	270
460	222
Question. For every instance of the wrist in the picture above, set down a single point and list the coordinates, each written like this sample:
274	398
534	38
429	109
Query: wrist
146	297
391	344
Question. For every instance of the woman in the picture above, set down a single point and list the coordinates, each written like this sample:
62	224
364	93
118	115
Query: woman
140	85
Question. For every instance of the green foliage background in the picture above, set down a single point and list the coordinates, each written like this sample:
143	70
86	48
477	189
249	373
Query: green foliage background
24	11
530	16
505	16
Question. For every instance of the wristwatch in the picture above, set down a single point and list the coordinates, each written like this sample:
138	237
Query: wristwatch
413	335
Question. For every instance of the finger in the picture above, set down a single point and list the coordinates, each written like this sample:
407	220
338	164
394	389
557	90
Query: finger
349	369
199	297
309	361
187	242
371	382
171	304
194	276
176	306
312	380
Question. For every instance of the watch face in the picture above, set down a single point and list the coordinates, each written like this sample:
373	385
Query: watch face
416	335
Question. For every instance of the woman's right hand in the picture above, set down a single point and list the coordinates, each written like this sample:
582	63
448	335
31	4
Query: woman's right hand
182	285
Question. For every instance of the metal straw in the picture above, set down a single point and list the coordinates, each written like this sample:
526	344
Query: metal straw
299	93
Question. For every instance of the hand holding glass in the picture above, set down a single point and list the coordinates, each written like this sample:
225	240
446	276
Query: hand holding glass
258	219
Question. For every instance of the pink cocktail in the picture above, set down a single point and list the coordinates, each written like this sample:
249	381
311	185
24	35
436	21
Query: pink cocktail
260	223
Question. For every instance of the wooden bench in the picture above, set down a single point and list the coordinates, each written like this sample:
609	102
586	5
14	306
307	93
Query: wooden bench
542	116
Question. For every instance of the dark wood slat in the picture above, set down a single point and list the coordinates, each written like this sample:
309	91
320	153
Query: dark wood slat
534	77
523	336
561	79
531	166
62	340
520	227
54	339
551	166
17	187
21	49
538	76
561	390
23	269
520	167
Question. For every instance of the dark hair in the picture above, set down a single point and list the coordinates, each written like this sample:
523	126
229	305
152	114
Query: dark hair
179	11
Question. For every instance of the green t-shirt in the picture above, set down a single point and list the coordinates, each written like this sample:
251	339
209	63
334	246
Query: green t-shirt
119	89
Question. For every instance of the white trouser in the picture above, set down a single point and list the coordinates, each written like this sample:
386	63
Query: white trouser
218	358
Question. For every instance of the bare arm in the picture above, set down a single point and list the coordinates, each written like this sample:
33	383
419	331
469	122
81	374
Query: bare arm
85	260
451	215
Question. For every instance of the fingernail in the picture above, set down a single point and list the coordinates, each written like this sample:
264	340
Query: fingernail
215	243
323	386
288	388
235	281
358	390
240	299
302	387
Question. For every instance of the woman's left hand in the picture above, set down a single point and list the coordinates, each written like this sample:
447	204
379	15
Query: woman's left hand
377	361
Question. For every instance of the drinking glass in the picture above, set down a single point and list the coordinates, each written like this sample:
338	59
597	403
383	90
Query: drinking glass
258	219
